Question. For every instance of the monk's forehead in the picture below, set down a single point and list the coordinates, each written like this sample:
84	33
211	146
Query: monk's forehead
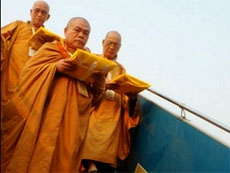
41	4
114	36
79	22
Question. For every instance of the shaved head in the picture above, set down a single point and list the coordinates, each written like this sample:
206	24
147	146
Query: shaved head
39	14
76	18
76	33
41	2
114	33
111	44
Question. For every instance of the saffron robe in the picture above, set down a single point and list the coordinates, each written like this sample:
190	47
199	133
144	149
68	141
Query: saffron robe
46	119
108	132
14	54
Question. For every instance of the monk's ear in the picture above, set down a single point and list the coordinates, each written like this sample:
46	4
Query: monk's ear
65	30
48	17
103	41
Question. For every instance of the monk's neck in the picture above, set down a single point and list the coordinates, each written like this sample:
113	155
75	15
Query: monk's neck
111	59
68	49
34	28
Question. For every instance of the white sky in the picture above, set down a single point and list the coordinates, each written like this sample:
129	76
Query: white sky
181	47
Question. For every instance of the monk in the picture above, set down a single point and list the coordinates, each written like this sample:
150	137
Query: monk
108	133
15	50
48	115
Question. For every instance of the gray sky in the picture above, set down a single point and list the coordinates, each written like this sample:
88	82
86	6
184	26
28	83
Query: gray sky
181	47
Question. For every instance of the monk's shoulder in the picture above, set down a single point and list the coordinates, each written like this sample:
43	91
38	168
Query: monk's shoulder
49	47
18	23
10	26
121	67
9	30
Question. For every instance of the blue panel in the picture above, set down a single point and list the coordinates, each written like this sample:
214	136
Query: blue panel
163	143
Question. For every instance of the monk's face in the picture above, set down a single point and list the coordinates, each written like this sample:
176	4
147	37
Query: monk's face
77	34
39	14
111	45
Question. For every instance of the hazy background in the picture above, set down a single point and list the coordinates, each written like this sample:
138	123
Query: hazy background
181	47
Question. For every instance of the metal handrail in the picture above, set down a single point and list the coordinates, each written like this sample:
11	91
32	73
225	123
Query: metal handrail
206	118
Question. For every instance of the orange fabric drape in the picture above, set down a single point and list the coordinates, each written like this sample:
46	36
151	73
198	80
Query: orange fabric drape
14	54
108	132
46	119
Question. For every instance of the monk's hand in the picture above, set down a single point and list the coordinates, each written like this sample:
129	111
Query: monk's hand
112	86
65	65
99	82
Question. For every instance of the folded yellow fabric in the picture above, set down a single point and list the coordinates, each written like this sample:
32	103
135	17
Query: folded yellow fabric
88	64
127	83
42	36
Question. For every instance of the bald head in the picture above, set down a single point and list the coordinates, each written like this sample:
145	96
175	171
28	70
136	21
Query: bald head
76	33
113	34
72	20
39	14
45	4
111	44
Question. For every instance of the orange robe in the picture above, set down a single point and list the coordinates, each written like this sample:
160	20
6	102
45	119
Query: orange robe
46	119
108	132
14	54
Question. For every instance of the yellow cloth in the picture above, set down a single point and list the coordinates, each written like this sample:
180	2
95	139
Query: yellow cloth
41	36
129	84
46	119
89	63
108	132
14	54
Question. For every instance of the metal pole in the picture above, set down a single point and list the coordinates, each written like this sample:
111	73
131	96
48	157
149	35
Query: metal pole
214	122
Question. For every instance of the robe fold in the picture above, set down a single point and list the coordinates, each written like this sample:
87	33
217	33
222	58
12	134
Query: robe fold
14	54
108	132
45	122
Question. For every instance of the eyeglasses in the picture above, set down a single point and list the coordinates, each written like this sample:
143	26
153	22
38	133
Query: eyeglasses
37	10
110	43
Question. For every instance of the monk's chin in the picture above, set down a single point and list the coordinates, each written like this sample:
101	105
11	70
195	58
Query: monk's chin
38	22
79	46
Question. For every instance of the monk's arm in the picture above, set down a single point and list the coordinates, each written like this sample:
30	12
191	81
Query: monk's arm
7	40
133	103
98	88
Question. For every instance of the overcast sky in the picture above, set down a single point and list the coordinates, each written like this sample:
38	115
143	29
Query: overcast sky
181	47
